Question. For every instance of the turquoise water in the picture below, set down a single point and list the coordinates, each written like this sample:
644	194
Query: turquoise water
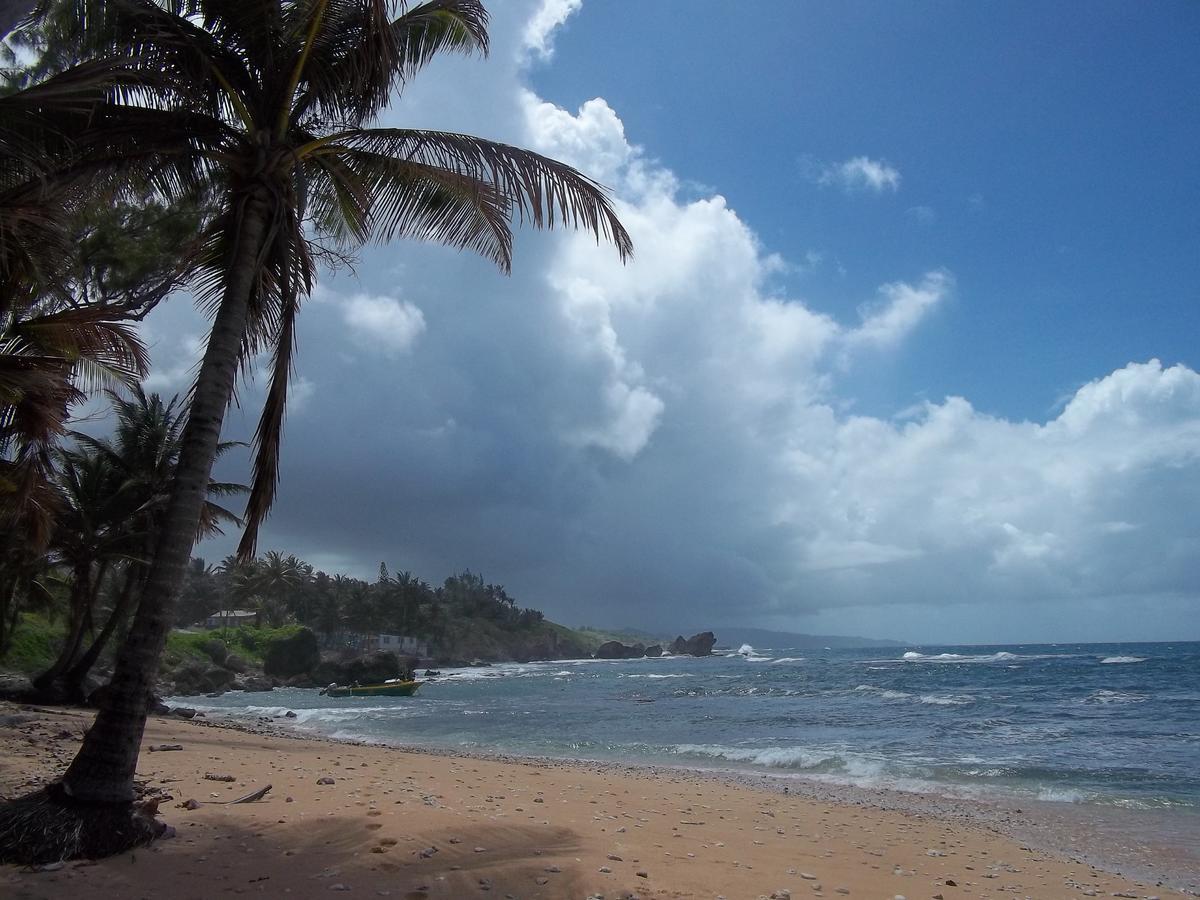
1110	724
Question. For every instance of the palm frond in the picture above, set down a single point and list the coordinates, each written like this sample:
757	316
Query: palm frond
543	191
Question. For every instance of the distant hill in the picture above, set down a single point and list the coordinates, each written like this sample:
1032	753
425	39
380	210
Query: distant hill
760	638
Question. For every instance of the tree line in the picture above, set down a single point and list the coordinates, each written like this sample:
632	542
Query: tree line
229	148
283	589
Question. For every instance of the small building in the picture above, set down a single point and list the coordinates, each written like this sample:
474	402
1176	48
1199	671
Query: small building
231	618
398	643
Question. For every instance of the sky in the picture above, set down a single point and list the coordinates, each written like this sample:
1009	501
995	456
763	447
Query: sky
908	347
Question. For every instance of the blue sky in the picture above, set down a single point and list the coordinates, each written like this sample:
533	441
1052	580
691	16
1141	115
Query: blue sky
908	347
1047	154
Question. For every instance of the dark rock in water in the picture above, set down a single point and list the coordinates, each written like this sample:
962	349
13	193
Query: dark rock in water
371	668
654	650
617	650
289	715
253	683
158	708
196	676
697	645
301	681
183	712
291	656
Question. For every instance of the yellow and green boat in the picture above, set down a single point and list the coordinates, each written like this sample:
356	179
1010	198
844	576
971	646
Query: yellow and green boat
396	688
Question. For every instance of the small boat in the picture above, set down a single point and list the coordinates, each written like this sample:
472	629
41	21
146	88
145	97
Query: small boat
397	688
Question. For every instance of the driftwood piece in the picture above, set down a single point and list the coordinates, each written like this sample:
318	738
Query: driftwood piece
249	798
161	747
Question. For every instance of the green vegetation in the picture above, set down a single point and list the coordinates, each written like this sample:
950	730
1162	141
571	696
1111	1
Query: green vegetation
247	641
34	644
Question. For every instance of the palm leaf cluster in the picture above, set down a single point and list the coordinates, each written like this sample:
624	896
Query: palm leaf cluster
110	497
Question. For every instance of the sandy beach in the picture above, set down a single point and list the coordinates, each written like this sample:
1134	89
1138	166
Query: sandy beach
376	821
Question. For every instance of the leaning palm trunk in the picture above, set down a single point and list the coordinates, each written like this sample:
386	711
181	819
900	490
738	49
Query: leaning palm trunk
81	599
103	771
74	680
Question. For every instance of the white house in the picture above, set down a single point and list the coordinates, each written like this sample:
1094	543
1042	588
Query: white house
401	643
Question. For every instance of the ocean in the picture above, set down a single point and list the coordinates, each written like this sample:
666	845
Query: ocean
1106	725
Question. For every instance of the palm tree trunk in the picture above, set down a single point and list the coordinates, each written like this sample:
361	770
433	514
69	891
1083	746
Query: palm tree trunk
81	589
74	678
103	770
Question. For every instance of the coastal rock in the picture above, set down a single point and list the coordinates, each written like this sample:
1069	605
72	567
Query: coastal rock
216	650
235	663
654	650
617	650
291	656
252	682
198	676
370	668
697	645
14	686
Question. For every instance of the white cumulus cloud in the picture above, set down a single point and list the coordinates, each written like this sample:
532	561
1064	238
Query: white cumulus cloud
385	323
861	173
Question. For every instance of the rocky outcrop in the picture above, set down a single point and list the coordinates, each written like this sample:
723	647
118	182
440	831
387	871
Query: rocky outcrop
654	650
617	650
253	683
216	650
697	645
292	656
369	669
198	676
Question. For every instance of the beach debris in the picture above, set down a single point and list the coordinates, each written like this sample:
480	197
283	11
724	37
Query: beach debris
481	849
248	798
209	776
325	779
427	853
950	882
541	879
781	894
161	748
615	858
605	870
642	874
552	869
339	887
808	876
251	797
934	853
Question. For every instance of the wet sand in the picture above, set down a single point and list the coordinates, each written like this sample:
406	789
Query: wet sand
373	821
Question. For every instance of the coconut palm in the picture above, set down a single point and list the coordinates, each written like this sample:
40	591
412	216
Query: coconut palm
113	492
272	100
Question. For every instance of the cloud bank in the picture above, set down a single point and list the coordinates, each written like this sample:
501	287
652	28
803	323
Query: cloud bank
666	444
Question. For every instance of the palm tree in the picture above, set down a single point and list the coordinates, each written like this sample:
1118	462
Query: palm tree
113	493
272	99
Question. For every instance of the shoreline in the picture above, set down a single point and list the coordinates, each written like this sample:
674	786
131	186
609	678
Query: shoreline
915	834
